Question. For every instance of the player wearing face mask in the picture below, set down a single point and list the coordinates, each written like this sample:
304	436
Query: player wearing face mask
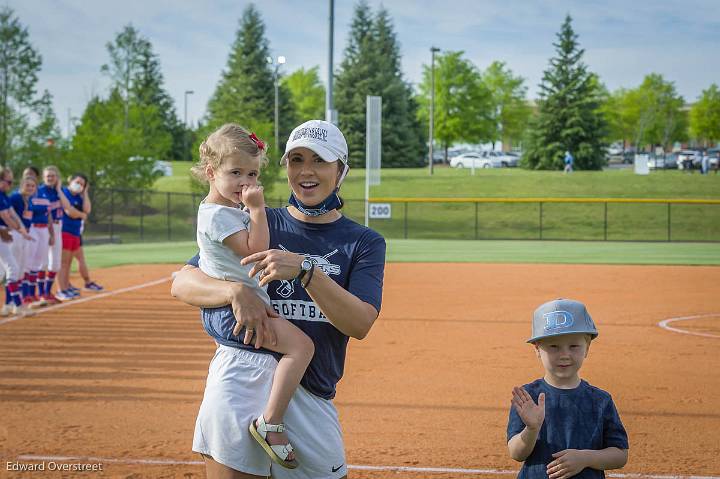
76	211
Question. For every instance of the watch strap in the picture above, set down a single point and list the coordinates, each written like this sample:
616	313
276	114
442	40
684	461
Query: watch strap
303	271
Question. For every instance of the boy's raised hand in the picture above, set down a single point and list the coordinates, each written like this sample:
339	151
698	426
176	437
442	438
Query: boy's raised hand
252	197
531	414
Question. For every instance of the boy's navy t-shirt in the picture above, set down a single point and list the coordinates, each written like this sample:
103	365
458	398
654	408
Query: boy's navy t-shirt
349	253
580	418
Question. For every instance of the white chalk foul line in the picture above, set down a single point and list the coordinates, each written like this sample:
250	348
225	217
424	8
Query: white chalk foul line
109	460
439	470
664	325
86	299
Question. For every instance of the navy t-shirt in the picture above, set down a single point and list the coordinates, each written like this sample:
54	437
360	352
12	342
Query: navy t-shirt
581	418
73	225
351	254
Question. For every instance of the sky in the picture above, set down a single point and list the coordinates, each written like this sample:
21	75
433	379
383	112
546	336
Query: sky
624	40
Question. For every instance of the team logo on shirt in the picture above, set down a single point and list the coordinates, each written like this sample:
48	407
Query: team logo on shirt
558	320
287	288
299	310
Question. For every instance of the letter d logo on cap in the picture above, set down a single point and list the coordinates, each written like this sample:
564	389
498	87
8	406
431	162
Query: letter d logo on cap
558	320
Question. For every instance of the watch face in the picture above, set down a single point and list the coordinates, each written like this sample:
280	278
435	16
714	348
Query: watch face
306	264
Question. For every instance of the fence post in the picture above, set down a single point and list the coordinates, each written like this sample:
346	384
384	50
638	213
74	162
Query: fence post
605	221
142	202
405	221
541	220
194	210
669	223
168	216
476	220
112	214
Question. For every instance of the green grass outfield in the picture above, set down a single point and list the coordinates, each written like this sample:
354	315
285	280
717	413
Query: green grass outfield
502	183
171	217
565	252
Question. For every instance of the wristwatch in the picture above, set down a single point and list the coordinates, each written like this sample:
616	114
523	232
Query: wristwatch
306	265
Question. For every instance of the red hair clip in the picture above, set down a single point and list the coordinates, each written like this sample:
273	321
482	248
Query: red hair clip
258	142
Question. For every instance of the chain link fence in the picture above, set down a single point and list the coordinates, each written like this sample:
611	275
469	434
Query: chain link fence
127	216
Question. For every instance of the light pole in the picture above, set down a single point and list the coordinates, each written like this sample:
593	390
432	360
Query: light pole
185	145
433	50
330	113
277	62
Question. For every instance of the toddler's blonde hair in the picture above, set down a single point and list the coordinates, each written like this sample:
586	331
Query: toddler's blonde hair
230	139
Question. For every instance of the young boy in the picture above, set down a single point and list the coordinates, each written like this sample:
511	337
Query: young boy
560	425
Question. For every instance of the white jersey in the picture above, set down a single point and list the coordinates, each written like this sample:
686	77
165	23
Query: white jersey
214	224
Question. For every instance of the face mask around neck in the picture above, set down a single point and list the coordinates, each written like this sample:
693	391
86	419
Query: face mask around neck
330	203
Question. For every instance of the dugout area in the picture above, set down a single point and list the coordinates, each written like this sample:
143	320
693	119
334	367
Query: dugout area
118	379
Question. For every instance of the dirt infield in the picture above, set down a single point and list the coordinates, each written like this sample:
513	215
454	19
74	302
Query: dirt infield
117	380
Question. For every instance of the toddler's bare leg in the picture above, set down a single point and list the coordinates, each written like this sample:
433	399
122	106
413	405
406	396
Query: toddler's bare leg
297	350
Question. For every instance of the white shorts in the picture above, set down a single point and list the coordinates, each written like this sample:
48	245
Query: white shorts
236	392
39	259
55	251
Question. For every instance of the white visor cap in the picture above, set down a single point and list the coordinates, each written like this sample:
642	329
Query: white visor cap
320	136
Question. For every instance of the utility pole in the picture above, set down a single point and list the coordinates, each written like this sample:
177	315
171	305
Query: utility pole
433	50
277	62
330	113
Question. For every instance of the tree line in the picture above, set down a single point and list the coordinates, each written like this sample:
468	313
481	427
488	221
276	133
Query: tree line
124	130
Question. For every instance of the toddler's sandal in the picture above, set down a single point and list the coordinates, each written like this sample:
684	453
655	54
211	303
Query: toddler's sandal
278	452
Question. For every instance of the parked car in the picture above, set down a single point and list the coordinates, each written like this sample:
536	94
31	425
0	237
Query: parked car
628	156
513	158
164	167
615	154
663	162
688	159
616	149
506	159
484	159
468	160
438	157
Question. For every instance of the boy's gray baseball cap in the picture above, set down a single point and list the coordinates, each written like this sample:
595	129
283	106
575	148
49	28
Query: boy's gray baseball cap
559	317
320	136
